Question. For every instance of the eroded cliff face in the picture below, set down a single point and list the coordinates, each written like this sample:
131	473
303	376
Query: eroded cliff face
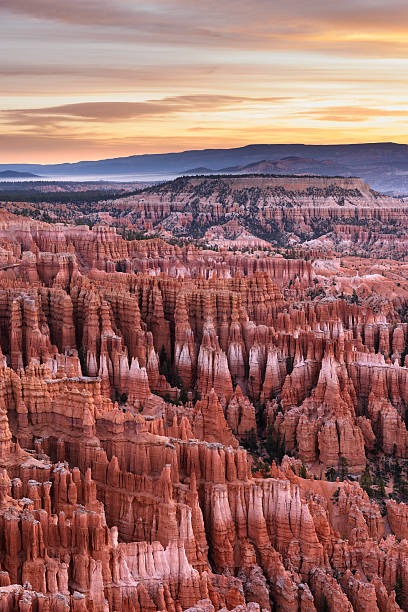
187	429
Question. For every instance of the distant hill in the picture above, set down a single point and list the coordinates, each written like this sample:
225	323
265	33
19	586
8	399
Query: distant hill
201	170
14	174
286	165
293	164
384	165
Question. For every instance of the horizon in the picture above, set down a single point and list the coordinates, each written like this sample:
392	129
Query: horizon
255	144
90	80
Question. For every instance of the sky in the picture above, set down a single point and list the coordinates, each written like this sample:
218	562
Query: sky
93	79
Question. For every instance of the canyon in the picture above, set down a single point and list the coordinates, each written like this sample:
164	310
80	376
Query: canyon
204	398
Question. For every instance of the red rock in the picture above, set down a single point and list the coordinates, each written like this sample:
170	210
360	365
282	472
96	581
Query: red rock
124	395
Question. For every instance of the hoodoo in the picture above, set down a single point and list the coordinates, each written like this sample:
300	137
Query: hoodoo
206	426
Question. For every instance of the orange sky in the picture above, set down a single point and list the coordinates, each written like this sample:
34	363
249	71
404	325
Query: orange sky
88	79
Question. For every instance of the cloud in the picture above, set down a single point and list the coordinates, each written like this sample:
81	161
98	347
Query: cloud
76	12
229	22
360	26
221	15
351	113
124	111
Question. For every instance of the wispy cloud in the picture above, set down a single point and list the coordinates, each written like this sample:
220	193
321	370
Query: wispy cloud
365	26
122	111
352	113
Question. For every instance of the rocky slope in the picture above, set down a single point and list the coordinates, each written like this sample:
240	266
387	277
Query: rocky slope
190	429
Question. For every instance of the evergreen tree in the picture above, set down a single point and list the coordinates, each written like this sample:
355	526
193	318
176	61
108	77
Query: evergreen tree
365	480
82	360
251	441
183	396
343	468
325	604
398	588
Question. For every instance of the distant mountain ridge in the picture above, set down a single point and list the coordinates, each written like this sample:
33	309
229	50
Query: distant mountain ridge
286	165
13	174
383	165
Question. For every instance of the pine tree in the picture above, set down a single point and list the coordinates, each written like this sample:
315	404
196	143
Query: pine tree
325	604
398	588
365	480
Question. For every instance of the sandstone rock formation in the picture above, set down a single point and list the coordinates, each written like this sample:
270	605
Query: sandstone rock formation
190	429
